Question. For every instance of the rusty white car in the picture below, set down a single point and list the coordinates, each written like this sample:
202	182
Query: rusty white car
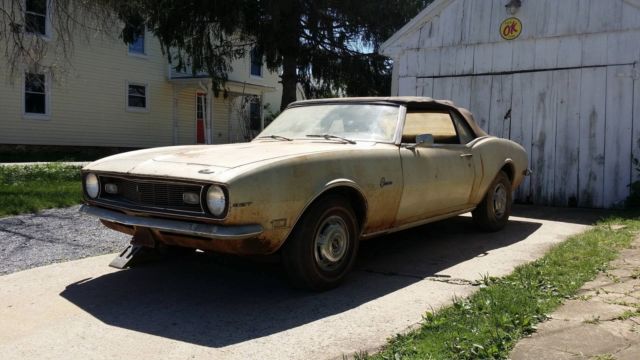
323	176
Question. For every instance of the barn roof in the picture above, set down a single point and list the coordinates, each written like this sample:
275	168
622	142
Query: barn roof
394	44
431	11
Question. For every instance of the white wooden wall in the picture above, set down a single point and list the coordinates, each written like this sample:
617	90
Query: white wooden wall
571	83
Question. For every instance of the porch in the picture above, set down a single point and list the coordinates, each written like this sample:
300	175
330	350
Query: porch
236	114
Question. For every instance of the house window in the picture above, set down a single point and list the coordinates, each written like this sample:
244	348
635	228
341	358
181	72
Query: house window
35	94
256	62
137	97
254	116
35	17
137	45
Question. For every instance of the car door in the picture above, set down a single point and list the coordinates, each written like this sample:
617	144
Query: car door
438	178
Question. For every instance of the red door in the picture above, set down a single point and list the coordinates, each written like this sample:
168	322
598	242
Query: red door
201	111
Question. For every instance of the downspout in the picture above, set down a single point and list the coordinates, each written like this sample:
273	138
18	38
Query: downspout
175	114
261	110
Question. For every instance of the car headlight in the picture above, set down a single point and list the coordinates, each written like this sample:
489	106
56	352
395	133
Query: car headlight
91	185
216	200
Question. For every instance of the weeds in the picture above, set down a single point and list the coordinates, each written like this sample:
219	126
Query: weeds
488	323
32	188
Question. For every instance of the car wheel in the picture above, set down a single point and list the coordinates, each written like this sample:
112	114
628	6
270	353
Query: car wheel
322	247
492	214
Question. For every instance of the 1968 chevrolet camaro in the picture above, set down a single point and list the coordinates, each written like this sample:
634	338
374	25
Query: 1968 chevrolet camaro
323	176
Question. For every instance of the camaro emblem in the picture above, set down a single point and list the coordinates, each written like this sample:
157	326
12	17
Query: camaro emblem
384	182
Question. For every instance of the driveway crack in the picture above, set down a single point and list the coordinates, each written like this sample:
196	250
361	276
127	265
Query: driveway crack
438	278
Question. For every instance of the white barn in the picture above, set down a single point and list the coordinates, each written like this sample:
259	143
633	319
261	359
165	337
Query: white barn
567	88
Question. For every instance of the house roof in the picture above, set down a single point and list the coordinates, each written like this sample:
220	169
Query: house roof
426	15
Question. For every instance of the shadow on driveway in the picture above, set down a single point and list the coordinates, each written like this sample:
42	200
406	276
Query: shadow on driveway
206	301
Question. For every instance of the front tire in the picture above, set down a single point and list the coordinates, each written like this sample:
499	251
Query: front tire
492	214
323	246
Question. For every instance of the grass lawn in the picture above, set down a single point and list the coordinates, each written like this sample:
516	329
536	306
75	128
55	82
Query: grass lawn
487	324
25	189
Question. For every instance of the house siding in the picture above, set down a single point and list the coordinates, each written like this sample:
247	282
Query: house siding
88	104
88	99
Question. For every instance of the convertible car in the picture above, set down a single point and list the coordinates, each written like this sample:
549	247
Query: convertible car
323	176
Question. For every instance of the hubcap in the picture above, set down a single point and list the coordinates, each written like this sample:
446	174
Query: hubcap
500	200
331	243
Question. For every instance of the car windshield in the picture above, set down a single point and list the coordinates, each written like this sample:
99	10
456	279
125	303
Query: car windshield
366	122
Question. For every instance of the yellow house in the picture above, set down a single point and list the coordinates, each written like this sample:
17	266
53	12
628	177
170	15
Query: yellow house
113	94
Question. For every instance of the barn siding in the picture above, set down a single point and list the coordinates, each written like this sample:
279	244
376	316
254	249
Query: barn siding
570	81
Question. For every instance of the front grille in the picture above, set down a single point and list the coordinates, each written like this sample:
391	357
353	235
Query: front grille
151	194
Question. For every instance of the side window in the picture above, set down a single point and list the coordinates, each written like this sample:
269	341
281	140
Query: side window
35	94
36	17
137	97
436	123
255	115
256	62
137	46
464	131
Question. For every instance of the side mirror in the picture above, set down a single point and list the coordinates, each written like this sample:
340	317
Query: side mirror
424	140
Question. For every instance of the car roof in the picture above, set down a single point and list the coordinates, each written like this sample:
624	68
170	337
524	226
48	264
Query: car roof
409	101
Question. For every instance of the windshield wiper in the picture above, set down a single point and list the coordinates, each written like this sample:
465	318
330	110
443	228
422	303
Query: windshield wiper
277	137
330	137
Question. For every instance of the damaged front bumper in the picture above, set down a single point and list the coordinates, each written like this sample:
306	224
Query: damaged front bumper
188	228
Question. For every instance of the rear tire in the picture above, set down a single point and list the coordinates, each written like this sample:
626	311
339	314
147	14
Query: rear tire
492	214
323	246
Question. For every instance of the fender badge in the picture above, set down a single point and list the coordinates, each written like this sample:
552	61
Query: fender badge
384	182
206	171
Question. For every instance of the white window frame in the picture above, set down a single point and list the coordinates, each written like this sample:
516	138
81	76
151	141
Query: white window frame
47	98
143	54
48	25
261	76
146	96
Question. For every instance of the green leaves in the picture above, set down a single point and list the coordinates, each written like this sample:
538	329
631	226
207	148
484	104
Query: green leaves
327	46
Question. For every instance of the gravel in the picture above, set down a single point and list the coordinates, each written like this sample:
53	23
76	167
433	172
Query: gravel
52	236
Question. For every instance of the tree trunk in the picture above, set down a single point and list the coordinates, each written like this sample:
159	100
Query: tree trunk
289	80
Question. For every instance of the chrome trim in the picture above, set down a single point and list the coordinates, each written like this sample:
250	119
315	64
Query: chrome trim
151	208
176	226
400	126
417	223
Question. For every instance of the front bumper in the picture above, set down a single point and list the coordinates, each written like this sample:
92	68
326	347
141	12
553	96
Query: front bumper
210	231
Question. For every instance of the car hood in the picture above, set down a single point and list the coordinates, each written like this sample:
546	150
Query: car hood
200	161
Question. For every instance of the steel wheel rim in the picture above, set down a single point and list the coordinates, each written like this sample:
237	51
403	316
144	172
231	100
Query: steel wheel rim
500	200
331	243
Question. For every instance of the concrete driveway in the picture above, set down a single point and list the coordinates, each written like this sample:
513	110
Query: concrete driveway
224	308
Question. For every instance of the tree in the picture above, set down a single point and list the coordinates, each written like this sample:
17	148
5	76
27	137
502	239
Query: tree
328	46
20	23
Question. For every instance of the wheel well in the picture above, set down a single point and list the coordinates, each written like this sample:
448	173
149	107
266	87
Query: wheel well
508	169
355	198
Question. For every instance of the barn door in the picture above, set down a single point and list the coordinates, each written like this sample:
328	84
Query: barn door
576	126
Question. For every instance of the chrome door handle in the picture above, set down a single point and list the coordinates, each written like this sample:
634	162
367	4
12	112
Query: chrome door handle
466	155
